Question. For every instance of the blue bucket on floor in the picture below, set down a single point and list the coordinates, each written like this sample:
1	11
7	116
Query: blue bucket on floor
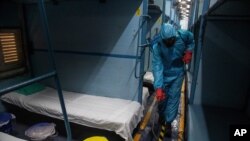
5	122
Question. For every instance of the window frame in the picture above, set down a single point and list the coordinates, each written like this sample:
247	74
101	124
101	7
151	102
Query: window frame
17	67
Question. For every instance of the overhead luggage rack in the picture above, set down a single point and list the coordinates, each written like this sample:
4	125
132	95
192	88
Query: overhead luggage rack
230	8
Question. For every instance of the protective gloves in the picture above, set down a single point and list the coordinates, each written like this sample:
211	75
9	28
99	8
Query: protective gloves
160	95
187	57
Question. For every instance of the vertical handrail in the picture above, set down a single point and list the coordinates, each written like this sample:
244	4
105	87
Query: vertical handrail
149	57
137	49
143	41
170	14
192	16
148	40
163	12
197	10
199	50
138	57
52	58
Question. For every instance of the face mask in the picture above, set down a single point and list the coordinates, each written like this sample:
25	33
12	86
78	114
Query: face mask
169	42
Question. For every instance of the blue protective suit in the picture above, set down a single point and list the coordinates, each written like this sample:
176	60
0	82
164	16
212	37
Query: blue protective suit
168	67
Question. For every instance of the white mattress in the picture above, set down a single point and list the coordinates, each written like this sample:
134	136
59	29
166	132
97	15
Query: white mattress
113	114
7	137
148	77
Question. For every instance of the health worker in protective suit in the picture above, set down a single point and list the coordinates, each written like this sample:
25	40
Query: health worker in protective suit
171	50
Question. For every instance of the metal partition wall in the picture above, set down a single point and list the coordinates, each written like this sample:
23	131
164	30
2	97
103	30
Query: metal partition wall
220	82
199	50
54	73
220	11
48	75
143	28
226	38
102	41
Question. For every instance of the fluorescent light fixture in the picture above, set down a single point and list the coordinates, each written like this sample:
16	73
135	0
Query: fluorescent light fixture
184	14
183	11
188	6
183	8
183	2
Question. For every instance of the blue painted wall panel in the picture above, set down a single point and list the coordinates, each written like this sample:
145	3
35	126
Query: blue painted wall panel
8	18
88	26
103	76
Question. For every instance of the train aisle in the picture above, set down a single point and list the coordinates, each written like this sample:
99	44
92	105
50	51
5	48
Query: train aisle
151	130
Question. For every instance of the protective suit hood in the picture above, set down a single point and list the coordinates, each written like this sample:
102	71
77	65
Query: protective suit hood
167	31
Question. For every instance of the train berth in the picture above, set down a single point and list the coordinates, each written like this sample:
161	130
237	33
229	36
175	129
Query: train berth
148	80
148	77
112	114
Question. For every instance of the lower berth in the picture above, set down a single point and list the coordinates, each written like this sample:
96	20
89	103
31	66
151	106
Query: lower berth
112	114
148	77
148	81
